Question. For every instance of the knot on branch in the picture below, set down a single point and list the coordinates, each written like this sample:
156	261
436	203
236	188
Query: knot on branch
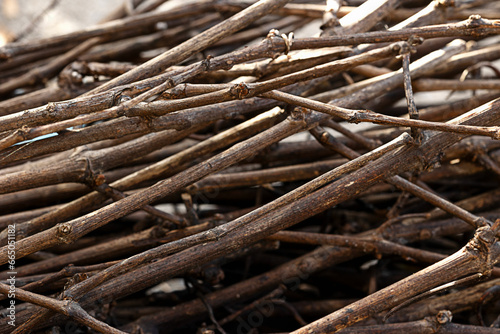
169	82
63	232
298	114
481	246
174	93
406	47
240	91
444	316
485	238
215	235
414	41
480	222
496	134
98	180
23	132
206	63
355	116
51	111
475	21
51	108
90	177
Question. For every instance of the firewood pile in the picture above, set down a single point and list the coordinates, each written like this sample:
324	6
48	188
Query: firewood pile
272	166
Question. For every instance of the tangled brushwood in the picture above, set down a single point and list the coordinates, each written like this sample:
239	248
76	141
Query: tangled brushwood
272	166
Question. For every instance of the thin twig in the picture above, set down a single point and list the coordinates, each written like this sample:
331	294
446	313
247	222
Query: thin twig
66	307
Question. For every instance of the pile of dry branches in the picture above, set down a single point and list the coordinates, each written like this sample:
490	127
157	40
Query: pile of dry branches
198	169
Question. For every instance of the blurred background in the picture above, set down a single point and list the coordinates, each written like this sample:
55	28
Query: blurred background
31	19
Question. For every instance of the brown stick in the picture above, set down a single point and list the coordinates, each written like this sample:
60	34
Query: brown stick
240	91
196	44
479	256
66	307
109	28
295	212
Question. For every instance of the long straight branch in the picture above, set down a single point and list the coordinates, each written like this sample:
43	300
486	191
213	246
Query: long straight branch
356	116
474	26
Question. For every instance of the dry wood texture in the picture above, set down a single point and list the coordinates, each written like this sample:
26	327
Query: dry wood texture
198	169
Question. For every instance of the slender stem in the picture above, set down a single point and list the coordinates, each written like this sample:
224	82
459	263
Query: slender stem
66	307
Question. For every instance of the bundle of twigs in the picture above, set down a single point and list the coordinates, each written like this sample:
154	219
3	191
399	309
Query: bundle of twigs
197	169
